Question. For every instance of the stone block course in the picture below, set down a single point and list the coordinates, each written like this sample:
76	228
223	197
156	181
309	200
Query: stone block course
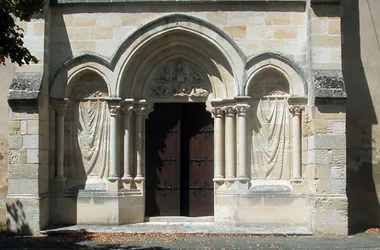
32	156
236	31
327	142
23	171
101	33
30	141
15	142
14	127
218	18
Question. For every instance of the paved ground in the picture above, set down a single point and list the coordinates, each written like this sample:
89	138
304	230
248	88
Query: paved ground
155	236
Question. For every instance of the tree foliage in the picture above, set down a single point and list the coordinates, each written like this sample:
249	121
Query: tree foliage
11	35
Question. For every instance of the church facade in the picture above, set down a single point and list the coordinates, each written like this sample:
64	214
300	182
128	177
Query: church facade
229	111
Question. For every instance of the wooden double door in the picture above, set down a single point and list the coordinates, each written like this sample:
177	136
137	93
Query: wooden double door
179	161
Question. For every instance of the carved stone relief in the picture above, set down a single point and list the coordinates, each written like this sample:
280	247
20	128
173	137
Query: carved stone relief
271	151
87	129
179	79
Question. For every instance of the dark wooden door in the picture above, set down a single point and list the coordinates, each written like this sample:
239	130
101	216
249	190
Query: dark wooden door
179	161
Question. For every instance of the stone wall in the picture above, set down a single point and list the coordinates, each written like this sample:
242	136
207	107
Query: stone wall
301	38
255	27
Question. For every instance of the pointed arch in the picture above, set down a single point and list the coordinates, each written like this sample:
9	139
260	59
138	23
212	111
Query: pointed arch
281	64
76	67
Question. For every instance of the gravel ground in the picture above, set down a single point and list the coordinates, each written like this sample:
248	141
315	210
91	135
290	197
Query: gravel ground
85	240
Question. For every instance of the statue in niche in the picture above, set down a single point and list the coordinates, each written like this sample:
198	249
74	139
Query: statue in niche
86	124
184	80
271	149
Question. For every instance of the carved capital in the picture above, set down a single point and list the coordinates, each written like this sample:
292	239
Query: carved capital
114	108
128	109
61	106
217	112
296	110
241	110
230	111
143	110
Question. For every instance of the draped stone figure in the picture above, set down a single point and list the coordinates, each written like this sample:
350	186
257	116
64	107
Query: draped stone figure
271	151
269	139
87	130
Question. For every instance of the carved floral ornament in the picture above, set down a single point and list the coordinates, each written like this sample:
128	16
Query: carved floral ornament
240	110
296	109
179	79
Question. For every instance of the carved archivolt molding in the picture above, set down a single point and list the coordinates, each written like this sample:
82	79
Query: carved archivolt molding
179	79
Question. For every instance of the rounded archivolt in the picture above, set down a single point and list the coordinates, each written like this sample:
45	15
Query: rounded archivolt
81	68
179	36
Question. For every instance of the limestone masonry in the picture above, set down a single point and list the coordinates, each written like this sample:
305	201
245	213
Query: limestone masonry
139	110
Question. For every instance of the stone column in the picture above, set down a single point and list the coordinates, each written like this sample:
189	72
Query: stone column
296	111
218	114
230	149
114	109
61	109
128	112
241	110
142	111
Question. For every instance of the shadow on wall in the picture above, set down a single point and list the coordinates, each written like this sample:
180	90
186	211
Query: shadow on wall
363	204
16	220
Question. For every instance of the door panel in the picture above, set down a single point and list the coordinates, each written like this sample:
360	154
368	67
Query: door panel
163	161
179	161
199	136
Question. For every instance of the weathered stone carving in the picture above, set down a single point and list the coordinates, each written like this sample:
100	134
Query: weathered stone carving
296	109
87	147
180	79
218	112
230	111
241	109
329	84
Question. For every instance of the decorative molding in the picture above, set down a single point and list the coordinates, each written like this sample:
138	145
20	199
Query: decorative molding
179	79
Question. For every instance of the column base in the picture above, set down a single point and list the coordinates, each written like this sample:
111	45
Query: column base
113	178
127	178
113	185
139	178
297	180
